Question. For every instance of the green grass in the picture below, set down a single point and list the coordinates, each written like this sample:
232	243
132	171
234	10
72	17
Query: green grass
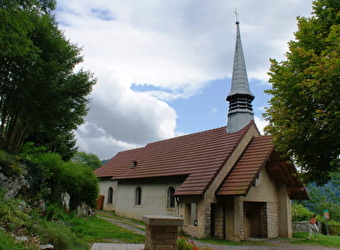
140	225
299	239
95	229
323	240
7	243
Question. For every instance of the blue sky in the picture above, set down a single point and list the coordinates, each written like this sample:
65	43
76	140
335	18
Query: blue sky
208	108
164	68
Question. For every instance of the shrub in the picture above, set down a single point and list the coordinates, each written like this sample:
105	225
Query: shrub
57	176
184	244
13	213
300	213
60	236
8	243
55	234
8	164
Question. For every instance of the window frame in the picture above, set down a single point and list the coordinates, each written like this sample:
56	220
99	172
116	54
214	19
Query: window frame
138	196
110	195
171	202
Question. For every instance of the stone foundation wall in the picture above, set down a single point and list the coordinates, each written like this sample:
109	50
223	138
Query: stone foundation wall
241	220
272	219
207	219
302	226
219	221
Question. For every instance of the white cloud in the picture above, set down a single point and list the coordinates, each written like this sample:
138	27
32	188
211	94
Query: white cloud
260	123
175	46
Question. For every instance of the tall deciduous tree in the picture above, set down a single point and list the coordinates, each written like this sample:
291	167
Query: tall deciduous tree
88	159
304	112
42	99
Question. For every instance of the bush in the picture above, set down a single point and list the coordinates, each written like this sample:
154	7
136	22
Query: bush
333	227
55	234
60	176
300	213
8	164
13	214
8	243
184	244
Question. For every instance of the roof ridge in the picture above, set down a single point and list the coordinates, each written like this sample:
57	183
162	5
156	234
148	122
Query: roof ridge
181	136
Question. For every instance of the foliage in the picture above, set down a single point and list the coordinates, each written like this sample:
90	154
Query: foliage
60	236
13	213
300	213
8	243
333	228
325	197
42	99
304	115
82	185
87	159
60	176
9	166
184	244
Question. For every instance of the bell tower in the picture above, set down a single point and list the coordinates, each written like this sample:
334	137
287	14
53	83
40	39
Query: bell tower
240	98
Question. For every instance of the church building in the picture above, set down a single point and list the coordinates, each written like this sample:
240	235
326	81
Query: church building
227	182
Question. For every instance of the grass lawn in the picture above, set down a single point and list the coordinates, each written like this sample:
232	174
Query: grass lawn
95	229
323	240
298	239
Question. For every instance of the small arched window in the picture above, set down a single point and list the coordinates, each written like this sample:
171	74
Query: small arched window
171	197
110	195
138	196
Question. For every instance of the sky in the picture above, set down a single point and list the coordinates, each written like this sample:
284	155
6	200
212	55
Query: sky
163	68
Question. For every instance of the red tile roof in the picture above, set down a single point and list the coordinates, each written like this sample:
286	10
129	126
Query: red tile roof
247	169
199	156
259	154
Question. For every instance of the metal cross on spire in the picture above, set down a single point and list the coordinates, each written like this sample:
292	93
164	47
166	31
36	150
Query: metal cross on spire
236	15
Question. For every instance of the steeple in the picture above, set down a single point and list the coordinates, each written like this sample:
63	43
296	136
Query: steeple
240	98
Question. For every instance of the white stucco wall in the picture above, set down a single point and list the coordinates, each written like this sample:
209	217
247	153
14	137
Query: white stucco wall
265	189
154	199
104	186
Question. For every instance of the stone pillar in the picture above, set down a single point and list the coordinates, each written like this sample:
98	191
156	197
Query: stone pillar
161	232
272	220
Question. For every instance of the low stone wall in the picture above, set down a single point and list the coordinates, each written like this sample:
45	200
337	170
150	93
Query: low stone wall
302	226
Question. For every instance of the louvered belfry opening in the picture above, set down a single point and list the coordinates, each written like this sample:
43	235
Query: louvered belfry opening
237	103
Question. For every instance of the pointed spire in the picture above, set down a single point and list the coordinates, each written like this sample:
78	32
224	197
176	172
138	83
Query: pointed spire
240	97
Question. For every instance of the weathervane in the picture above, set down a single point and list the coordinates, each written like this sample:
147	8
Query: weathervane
236	15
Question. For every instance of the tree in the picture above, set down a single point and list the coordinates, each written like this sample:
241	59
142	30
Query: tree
49	176
304	111
325	197
42	99
88	159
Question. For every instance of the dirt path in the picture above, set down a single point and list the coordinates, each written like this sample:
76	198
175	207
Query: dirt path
269	244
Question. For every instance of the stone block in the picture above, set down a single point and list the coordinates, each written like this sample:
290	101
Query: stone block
164	235
162	220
